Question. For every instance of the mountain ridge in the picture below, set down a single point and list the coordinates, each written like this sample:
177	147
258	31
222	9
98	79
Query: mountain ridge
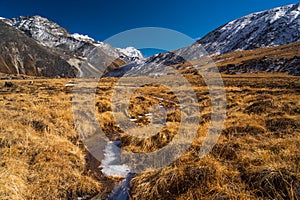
268	28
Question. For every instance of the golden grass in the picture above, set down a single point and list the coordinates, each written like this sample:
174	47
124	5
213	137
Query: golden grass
239	61
257	155
40	153
282	51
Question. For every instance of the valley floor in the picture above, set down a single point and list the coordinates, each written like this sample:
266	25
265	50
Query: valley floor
257	155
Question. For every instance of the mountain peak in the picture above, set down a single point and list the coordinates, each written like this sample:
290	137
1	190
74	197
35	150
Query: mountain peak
131	52
40	28
50	34
261	29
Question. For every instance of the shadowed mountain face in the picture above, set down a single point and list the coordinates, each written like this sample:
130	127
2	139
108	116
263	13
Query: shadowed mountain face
69	54
23	55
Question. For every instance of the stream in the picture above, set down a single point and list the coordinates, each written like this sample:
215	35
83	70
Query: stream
111	167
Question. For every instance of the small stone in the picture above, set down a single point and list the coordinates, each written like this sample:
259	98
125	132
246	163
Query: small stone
8	84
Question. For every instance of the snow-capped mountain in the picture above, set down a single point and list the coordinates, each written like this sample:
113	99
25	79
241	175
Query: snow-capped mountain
51	34
269	28
155	65
131	52
273	27
79	50
41	29
48	33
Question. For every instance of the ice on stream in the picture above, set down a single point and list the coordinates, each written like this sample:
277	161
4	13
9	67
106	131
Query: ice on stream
111	164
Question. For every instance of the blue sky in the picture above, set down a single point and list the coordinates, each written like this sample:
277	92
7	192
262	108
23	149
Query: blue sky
102	19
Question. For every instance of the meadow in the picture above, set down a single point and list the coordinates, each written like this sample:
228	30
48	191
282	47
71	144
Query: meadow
256	157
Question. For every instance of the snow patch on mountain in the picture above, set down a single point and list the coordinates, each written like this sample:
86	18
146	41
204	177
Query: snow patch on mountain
131	52
80	37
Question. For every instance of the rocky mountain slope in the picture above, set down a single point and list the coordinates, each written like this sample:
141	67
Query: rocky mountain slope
283	58
23	55
80	51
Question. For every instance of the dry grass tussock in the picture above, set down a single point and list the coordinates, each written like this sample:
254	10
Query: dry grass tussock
256	157
41	157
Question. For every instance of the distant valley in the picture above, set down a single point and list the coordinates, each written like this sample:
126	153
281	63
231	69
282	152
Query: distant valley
39	47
